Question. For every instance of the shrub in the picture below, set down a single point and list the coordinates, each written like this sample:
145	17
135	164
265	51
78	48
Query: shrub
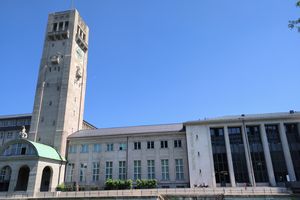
61	187
118	184
146	183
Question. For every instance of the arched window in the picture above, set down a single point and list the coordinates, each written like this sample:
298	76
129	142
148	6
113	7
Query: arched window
18	149
5	174
23	178
46	179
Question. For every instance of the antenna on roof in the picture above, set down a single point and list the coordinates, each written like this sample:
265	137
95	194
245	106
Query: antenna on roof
72	4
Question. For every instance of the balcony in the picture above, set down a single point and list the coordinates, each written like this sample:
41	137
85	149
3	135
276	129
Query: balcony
58	35
81	43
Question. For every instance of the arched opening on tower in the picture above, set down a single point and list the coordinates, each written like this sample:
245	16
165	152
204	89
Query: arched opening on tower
23	177
5	174
46	179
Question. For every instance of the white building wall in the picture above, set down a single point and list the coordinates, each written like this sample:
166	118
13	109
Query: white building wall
201	168
143	155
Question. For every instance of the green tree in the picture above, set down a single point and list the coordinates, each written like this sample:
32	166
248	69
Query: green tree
295	23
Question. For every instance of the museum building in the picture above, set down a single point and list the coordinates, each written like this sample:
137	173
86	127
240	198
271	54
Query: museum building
54	145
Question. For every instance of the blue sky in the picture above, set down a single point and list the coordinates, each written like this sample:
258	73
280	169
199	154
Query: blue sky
154	61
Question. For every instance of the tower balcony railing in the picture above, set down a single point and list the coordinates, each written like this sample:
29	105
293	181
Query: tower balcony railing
81	43
58	35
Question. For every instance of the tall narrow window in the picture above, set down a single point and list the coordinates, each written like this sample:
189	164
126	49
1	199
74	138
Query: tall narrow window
177	143
278	161
122	170
122	146
150	145
60	26
137	145
54	27
72	148
84	148
219	155
257	154
109	170
70	172
66	25
179	169
97	148
151	169
165	169
110	147
82	172
164	144
96	171
137	169
238	155
292	133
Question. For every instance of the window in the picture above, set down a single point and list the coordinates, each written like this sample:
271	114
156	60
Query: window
70	171
137	169
122	170
164	144
60	26
219	155
275	145
238	155
72	148
109	147
66	25
108	170
165	169
82	172
97	148
137	145
293	137
177	143
150	145
122	146
179	169
151	169
84	148
5	174
257	154
54	27
96	166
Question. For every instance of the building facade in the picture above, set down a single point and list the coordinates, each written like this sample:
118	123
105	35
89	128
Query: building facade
235	151
142	152
252	150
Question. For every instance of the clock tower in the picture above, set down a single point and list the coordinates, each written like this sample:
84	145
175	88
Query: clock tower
59	99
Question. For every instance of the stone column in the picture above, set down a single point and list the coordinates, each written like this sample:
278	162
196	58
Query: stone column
286	152
229	157
248	156
268	159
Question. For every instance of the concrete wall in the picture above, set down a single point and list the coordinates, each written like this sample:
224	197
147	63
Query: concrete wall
199	152
144	154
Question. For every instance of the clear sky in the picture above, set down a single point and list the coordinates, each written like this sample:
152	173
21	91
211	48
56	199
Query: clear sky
162	61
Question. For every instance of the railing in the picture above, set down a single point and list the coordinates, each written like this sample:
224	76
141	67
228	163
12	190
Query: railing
239	191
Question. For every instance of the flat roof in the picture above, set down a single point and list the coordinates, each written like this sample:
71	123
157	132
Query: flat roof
3	117
15	116
247	117
162	128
